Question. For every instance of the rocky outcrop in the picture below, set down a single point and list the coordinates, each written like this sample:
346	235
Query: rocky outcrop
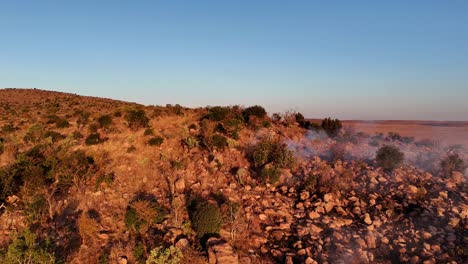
220	252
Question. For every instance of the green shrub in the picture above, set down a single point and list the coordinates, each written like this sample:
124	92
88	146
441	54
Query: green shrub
62	123
160	255
143	212
216	141
206	219
149	132
131	149
77	135
34	134
217	113
105	121
139	252
190	142
271	174
155	141
331	126
266	124
310	183
137	119
452	163
255	110
270	151
93	139
26	249
389	158
8	128
36	209
55	136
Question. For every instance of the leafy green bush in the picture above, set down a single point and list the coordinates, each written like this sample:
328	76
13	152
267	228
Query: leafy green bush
255	110
105	121
160	255
215	141
331	126
271	174
155	141
217	113
93	139
219	141
389	157
452	163
26	249
137	119
143	212
271	151
206	218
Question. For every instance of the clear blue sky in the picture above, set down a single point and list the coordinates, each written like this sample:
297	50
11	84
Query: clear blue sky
347	59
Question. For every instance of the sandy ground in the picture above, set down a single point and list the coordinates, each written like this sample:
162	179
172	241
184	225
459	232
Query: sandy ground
444	132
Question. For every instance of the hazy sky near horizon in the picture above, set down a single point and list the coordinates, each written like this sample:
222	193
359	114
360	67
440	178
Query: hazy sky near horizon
346	59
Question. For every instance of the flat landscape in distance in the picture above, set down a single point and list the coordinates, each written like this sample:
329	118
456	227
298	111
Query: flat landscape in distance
445	132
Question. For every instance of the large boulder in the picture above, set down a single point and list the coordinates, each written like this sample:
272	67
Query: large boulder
220	252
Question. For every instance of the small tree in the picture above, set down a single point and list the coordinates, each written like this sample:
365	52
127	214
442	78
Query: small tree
389	157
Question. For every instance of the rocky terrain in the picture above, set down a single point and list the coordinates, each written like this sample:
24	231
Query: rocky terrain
103	181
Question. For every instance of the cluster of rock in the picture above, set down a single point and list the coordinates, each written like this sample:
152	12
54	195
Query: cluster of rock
409	216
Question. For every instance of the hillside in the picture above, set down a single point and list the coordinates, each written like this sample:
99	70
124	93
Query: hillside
102	181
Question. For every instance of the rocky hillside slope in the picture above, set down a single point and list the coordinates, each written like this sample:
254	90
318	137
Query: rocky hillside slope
101	181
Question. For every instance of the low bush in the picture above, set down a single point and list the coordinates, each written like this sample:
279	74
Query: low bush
270	174
206	218
310	183
26	248
451	163
190	142
93	139
62	123
149	132
215	141
8	128
55	136
143	212
255	110
155	141
331	126
137	119
389	158
104	121
270	151
34	134
77	135
217	113
160	255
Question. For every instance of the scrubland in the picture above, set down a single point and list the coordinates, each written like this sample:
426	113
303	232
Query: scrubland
103	181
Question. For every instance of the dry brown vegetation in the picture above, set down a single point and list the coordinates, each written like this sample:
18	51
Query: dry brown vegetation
101	181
